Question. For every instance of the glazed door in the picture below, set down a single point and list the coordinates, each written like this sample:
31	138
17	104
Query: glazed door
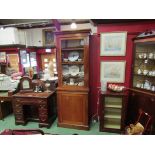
14	61
46	59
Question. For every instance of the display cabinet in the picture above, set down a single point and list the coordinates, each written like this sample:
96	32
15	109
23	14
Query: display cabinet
112	111
3	67
73	78
144	64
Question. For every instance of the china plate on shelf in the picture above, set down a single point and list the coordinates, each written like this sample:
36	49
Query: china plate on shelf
74	70
73	56
65	70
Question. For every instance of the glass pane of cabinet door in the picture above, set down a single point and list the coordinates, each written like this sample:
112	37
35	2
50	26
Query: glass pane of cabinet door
144	66
112	111
72	61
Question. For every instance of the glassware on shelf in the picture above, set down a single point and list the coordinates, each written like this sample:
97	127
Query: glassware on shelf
71	81
147	85
139	71
150	55
145	71
153	88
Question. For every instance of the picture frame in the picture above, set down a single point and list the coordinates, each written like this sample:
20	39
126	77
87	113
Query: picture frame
48	37
113	71
113	43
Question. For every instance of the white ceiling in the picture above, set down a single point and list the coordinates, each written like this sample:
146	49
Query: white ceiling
38	21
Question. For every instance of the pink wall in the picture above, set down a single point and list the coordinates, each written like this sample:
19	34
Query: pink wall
133	29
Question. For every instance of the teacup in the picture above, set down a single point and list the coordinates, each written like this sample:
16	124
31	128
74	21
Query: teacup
153	88
144	55
139	71
138	85
142	85
153	73
150	73
81	84
150	55
79	60
145	72
71	82
65	59
140	56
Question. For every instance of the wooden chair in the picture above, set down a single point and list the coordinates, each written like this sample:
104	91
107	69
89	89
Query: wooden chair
145	120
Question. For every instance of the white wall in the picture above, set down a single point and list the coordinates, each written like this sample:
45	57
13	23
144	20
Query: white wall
7	36
21	36
34	36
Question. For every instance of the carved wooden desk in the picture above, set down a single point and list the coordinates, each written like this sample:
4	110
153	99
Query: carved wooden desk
43	101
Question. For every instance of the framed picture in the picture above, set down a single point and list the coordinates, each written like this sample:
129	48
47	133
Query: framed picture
48	37
113	44
113	71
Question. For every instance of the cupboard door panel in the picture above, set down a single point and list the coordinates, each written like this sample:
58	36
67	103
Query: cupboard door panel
73	108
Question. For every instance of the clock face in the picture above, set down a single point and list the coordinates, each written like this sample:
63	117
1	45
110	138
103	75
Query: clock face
73	56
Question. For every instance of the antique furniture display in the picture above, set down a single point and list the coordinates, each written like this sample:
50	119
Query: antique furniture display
44	102
139	99
112	111
142	91
144	64
142	124
73	79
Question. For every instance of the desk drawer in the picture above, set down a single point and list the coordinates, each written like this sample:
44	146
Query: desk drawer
30	101
18	108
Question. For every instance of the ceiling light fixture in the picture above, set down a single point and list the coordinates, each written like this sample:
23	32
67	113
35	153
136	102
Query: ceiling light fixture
73	25
2	28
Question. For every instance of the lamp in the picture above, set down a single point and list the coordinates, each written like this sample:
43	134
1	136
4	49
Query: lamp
73	25
2	28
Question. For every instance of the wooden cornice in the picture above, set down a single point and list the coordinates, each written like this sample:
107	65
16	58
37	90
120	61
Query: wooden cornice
73	32
18	46
12	46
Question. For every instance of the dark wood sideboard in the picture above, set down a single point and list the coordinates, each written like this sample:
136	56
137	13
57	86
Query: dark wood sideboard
43	101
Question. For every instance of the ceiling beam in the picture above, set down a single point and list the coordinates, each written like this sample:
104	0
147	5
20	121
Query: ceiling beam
56	23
